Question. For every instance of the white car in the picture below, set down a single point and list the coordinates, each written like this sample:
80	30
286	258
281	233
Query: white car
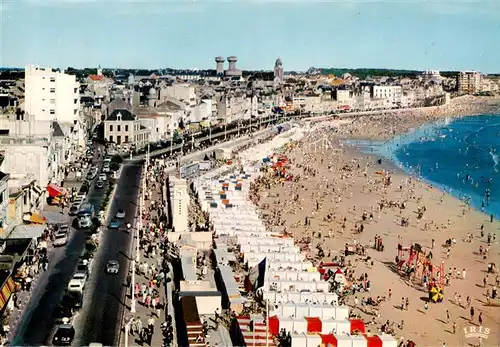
106	168
80	276
75	285
61	239
103	177
112	267
120	214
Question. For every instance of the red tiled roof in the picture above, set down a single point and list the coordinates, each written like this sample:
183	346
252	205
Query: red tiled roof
96	77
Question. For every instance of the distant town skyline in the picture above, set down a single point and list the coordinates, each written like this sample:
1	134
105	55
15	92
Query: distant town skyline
142	34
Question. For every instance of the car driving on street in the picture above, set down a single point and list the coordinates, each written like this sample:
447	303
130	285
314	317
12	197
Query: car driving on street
64	335
61	238
112	267
99	184
114	224
120	214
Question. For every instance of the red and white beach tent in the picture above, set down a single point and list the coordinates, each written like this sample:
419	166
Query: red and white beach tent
335	340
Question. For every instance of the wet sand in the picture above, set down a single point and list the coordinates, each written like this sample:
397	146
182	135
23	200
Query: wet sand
338	182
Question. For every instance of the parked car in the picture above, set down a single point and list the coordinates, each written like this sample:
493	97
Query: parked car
99	184
106	168
75	285
61	239
80	276
120	214
83	267
64	335
112	267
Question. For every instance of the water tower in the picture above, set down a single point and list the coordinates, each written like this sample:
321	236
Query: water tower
220	65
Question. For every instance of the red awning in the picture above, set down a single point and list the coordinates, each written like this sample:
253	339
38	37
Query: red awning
374	341
54	190
357	325
274	325
328	339
313	324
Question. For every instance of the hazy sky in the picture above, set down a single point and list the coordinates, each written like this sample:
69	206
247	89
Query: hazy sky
442	35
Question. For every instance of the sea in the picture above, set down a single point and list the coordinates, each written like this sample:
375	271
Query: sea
457	155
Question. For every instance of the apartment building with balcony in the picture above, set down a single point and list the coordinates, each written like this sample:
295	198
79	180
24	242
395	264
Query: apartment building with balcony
468	82
51	95
391	93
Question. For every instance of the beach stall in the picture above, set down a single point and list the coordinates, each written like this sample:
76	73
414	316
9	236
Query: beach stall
313	340
314	324
388	340
357	326
341	340
342	326
341	312
328	325
299	340
359	341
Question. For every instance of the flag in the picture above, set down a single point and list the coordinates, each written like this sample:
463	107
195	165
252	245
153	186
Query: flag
256	275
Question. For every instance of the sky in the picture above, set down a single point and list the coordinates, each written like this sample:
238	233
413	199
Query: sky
403	34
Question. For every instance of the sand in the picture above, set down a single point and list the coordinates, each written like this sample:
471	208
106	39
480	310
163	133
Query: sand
342	183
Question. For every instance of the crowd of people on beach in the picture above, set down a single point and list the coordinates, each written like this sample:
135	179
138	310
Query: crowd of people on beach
337	195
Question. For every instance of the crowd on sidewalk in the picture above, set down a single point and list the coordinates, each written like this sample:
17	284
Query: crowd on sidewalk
149	324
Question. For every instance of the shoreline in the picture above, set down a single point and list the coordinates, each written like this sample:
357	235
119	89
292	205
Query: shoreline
334	189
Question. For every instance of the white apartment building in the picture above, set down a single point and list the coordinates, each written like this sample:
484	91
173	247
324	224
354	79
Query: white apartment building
392	93
51	95
231	108
179	202
202	111
180	91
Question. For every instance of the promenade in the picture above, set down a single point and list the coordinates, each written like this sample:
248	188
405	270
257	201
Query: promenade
144	326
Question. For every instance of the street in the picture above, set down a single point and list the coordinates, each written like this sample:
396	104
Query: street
99	320
36	324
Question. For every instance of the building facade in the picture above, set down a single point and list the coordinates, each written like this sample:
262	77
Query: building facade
4	201
51	95
179	201
468	82
122	127
392	93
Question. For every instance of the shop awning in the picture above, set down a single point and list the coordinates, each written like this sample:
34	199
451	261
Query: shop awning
6	292
54	190
27	232
34	218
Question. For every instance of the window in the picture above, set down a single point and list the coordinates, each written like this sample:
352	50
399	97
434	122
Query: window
118	140
126	129
119	128
52	101
126	138
111	128
52	90
52	111
111	139
52	79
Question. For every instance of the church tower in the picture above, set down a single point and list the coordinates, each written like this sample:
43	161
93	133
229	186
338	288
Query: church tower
278	71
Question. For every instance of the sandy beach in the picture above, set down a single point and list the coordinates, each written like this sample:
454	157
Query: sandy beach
339	195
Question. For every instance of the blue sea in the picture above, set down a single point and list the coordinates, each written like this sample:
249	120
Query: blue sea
459	155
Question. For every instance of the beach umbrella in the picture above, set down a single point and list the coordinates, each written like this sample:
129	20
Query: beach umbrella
436	294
